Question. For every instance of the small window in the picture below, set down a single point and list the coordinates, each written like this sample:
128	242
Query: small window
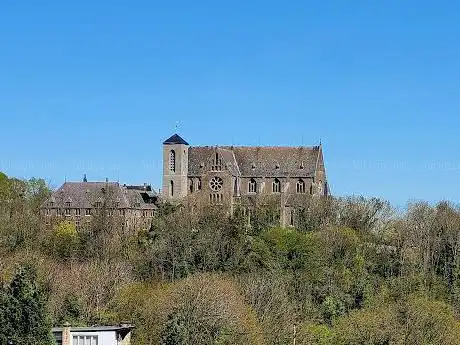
171	188
47	211
98	204
172	161
67	211
85	340
67	204
276	188
216	198
199	184
252	186
300	186
77	211
190	185
87	212
51	203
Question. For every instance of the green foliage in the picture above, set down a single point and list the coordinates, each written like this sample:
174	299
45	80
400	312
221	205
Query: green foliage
64	241
351	271
312	334
332	307
23	312
71	311
175	331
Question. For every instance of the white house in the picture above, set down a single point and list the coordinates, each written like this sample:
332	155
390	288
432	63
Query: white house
97	335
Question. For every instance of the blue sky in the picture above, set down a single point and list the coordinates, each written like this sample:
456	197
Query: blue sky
96	87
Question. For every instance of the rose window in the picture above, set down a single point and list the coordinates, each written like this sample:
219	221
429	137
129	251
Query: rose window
216	184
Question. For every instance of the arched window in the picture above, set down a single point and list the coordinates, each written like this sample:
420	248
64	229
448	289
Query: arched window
300	186
252	186
172	161
171	188
216	163
190	185
276	187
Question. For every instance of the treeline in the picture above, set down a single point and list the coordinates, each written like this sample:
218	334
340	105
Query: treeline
351	271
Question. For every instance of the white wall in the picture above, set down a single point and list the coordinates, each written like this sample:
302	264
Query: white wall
104	337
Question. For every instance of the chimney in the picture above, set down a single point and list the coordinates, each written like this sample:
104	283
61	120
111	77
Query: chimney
66	338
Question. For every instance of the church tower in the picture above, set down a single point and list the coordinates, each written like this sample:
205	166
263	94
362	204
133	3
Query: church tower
175	168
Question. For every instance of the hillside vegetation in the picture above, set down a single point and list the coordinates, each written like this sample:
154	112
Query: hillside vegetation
352	271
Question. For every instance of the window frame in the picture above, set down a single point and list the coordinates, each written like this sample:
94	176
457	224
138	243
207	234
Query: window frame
252	186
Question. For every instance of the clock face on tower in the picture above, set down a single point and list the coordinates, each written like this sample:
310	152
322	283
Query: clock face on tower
216	184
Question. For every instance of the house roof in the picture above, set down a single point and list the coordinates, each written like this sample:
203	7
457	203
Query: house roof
200	157
277	161
175	139
95	328
87	194
258	161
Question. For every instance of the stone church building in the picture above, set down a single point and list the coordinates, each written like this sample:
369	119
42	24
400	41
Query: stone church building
236	175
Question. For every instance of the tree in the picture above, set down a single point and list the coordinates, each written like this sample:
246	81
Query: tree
64	241
23	311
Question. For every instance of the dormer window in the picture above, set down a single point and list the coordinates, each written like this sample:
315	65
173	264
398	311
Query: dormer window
252	186
217	163
67	204
276	187
172	161
277	166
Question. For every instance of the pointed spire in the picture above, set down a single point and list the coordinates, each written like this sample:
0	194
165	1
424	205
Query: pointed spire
175	139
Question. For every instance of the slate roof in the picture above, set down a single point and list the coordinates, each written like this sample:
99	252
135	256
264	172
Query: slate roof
95	328
200	157
277	161
249	161
175	139
86	194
